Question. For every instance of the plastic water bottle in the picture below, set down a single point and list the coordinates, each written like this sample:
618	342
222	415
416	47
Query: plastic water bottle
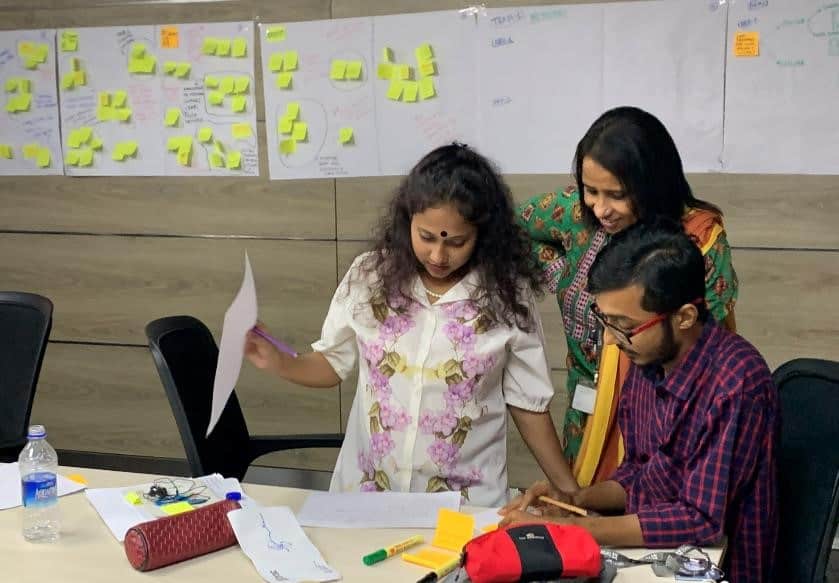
38	464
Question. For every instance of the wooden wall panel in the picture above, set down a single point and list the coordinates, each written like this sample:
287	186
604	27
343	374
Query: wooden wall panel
106	289
109	399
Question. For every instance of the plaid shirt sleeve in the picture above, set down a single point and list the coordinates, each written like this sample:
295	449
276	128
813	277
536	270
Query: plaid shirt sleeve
725	455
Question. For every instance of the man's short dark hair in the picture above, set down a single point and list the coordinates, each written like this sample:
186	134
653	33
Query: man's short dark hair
660	258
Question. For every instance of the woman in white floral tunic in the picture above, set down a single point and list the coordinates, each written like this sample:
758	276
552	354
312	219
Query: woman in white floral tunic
441	321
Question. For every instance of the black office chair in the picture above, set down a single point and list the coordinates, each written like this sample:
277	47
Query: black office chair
185	354
25	324
808	468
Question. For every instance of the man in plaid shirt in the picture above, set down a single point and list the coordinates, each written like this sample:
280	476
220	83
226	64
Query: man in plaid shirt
698	413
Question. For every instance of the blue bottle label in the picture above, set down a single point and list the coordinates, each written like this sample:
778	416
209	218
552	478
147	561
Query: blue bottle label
39	489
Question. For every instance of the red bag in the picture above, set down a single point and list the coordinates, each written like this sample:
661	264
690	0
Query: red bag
532	552
172	539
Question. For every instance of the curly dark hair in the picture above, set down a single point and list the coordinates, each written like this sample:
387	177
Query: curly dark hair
456	174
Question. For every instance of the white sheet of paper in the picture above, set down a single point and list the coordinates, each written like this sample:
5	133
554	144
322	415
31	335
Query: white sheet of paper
486	518
239	318
10	486
119	515
279	549
375	509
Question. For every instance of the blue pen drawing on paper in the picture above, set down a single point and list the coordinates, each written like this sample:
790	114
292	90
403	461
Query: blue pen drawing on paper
274	544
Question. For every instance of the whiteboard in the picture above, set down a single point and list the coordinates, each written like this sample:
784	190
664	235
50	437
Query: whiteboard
781	106
105	55
668	57
326	105
38	125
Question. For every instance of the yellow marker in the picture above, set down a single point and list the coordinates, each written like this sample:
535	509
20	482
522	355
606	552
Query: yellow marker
426	88
288	147
394	91
290	61
205	135
239	104
423	53
284	80
223	47
410	89
132	498
239	48
176	508
384	71
275	33
173	115
292	110
211	82
300	131
241	85
275	63
182	70
338	71
119	98
747	44
345	136
208	47
234	160
354	70
216	98
384	553
241	131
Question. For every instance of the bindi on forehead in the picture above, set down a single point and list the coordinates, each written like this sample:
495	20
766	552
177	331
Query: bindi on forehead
444	234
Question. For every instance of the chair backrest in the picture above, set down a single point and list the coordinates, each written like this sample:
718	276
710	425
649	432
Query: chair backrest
808	468
25	324
186	354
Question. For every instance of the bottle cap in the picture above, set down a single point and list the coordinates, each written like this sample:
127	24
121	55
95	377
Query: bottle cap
36	432
233	496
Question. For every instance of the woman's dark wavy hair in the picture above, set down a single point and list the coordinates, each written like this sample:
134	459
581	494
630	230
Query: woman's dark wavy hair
457	175
638	150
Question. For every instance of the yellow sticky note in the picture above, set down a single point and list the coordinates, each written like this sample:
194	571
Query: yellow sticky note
23	101
169	37
216	160
424	53
410	89
133	498
354	70
747	44
72	158
394	91
426	88
275	63
40	53
228	85
234	160
300	131
429	558
218	146
173	143
104	98
288	147
384	71
123	114
138	50
241	85
239	103
79	78
345	136
95	144
292	110
74	140
427	69
86	157
205	135
387	55
239	48
169	67
182	70
211	82
241	131
30	151
185	154
43	158
78	478
129	148
6	151
338	70
290	61
216	98
208	47
285	125
143	65
68	80
284	80
11	85
105	113
402	72
454	530
223	47
275	33
69	41
119	98
177	508
118	154
30	63
85	134
173	116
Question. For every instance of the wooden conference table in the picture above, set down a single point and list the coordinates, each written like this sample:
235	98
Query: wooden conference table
88	553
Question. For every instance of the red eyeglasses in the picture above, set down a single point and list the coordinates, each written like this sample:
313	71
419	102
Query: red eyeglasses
625	336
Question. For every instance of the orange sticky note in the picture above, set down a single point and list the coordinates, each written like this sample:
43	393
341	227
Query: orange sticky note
169	37
747	44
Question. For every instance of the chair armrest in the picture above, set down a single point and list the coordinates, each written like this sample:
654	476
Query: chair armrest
262	444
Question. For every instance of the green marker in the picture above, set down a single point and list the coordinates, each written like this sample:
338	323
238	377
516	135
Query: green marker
386	552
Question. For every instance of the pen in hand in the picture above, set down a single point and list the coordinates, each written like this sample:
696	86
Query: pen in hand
281	346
